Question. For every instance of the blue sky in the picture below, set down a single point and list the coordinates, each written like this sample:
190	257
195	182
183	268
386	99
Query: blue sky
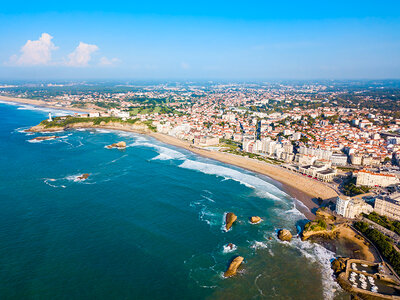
257	40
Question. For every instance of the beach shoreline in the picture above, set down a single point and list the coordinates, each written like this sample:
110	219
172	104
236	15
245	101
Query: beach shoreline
41	103
301	188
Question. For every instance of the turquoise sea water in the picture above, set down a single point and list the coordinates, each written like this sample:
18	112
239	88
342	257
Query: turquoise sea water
147	224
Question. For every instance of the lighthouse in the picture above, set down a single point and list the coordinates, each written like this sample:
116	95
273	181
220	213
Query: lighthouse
50	119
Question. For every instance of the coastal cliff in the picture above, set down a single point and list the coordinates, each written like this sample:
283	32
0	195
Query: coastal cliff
106	123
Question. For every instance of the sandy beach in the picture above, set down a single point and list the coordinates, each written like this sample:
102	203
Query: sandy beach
298	186
42	103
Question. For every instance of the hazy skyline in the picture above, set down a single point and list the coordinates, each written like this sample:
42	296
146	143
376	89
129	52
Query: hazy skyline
179	40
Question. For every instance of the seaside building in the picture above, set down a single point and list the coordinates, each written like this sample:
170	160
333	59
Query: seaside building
339	159
356	159
321	172
206	141
388	205
352	207
372	179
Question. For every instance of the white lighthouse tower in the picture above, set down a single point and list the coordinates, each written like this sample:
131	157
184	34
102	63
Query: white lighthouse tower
50	119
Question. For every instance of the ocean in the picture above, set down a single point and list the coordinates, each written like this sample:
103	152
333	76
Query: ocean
146	224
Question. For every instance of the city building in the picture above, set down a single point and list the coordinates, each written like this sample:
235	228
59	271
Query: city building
352	207
388	205
372	179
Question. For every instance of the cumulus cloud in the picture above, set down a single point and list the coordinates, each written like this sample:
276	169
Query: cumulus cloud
36	52
104	61
81	56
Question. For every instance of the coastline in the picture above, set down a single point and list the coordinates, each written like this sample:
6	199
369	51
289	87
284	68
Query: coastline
42	103
301	188
297	186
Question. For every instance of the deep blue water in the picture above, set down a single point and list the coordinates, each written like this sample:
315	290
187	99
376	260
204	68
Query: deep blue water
147	224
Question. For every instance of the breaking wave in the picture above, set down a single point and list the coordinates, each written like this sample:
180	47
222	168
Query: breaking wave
318	254
250	181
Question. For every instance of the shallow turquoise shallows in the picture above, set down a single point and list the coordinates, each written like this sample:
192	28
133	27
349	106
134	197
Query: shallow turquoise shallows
146	224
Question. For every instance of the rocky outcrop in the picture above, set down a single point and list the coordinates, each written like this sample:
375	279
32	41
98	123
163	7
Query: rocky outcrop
229	220
284	235
83	176
234	265
255	220
332	233
45	138
339	265
137	127
118	145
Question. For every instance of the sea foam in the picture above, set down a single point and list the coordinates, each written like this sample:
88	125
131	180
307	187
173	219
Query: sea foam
251	181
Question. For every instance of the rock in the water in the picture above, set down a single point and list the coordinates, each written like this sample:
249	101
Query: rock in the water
339	265
255	219
284	235
229	220
233	266
44	138
230	246
83	176
117	145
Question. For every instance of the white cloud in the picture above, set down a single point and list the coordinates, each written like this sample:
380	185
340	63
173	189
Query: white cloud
36	52
81	56
104	61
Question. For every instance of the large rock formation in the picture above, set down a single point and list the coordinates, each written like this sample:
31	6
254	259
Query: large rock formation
255	219
45	138
284	235
117	145
234	266
229	220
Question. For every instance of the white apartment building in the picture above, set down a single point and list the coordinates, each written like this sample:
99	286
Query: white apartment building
317	152
352	207
375	179
339	159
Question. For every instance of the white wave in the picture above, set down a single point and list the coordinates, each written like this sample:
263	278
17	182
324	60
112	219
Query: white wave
295	211
48	180
318	254
301	204
248	180
103	130
117	159
65	136
35	141
127	134
53	131
228	249
208	198
205	214
165	153
53	111
74	178
259	245
258	288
